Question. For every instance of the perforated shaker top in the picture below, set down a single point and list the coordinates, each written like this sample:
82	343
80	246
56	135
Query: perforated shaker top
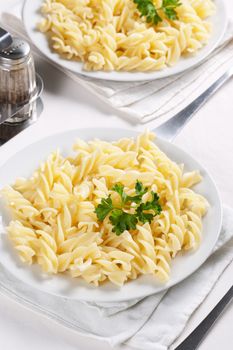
16	52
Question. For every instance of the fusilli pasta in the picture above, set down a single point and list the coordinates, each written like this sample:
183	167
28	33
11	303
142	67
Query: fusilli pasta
110	34
55	225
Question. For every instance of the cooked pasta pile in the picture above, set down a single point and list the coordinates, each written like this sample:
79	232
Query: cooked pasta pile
55	225
111	35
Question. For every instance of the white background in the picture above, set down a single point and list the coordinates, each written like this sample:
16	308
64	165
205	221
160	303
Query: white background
208	137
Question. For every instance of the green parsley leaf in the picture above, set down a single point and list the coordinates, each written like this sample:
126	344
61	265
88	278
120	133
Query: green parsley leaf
171	3
139	188
148	10
140	191
170	13
119	188
122	221
144	217
169	7
104	208
152	205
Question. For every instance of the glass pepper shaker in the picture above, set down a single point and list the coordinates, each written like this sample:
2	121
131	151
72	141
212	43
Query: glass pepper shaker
17	81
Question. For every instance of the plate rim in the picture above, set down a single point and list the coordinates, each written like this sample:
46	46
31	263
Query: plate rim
131	76
133	133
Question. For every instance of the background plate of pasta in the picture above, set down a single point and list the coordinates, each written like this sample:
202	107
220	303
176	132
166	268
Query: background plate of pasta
125	40
121	216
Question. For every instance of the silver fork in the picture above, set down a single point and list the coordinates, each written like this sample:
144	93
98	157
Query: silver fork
170	129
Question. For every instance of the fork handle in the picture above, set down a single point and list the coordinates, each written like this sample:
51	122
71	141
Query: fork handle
173	126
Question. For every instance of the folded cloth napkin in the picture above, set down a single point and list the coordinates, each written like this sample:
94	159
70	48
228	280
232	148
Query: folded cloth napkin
153	322
145	101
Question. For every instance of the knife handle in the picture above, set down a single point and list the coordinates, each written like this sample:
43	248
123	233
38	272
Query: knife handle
195	338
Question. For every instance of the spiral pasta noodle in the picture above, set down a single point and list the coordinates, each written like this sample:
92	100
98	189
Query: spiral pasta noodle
54	223
111	35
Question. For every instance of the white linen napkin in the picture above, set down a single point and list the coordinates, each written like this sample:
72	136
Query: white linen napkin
150	323
145	101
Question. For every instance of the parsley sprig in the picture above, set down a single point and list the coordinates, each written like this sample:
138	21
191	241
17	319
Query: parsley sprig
148	10
119	217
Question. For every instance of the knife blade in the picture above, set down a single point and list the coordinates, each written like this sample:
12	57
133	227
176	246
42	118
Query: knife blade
5	39
195	338
173	126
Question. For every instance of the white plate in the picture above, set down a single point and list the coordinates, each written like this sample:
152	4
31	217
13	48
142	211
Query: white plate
32	16
24	162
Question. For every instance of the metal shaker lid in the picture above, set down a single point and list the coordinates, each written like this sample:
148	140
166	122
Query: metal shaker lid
16	52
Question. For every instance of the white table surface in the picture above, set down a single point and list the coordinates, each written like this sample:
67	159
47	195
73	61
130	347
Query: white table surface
208	137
